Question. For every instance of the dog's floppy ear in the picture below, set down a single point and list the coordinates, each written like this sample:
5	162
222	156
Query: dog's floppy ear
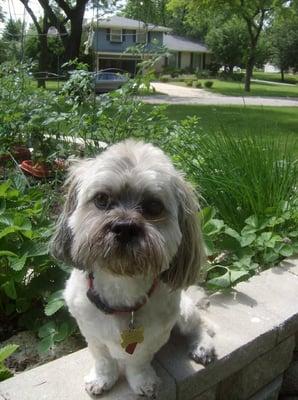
60	245
185	267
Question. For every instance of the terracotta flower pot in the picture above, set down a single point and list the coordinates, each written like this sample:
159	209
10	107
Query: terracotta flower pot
38	170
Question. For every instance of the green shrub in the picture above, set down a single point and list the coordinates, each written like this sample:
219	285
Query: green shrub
188	82
208	84
164	79
198	84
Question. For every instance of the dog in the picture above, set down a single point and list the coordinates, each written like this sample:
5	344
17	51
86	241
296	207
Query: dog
130	228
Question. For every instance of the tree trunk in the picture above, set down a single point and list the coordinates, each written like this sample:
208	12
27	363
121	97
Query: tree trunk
249	70
72	50
282	73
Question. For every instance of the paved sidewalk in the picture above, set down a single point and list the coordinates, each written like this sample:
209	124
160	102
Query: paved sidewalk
174	94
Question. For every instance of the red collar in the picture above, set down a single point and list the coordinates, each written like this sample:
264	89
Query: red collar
94	297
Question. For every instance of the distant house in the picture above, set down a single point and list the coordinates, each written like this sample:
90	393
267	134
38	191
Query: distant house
114	35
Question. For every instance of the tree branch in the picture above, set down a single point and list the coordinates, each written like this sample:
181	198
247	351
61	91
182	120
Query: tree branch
32	15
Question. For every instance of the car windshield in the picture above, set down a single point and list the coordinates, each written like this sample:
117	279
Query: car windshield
109	76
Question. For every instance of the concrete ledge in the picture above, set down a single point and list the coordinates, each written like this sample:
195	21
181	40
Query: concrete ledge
256	326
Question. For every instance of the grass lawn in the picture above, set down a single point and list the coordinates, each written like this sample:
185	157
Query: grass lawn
257	89
275	77
278	122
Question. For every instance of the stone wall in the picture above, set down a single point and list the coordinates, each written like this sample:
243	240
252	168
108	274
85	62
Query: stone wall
289	390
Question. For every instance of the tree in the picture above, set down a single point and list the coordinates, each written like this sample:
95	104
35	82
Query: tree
61	14
284	42
11	41
254	13
148	11
228	42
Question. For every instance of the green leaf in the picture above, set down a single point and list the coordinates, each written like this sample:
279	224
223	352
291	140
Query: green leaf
231	232
47	329
38	249
208	245
4	187
271	256
6	351
286	250
10	289
63	331
5	373
207	214
2	206
252	221
53	306
45	344
7	253
220	282
8	230
212	227
238	276
17	263
247	239
293	234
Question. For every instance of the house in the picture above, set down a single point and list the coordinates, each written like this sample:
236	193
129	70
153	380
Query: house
114	35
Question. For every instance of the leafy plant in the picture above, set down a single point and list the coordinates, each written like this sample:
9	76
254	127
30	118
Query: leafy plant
262	242
5	352
198	84
29	279
208	84
239	176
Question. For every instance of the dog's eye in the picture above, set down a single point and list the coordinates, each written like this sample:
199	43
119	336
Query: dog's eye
102	200
152	208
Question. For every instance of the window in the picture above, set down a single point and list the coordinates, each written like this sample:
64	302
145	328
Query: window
141	37
116	35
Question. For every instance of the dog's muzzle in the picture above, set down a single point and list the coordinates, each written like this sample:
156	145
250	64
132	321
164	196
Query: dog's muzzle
126	231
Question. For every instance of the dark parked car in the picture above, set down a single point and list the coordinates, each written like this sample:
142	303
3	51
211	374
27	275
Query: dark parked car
109	79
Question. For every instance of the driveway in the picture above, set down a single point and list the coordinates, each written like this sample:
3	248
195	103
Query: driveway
174	94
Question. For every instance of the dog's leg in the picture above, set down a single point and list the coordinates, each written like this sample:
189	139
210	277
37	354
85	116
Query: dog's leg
104	373
193	325
142	379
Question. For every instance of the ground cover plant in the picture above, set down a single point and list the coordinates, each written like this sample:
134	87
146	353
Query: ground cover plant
243	233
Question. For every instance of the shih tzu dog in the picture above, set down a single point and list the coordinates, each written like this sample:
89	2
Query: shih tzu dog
130	229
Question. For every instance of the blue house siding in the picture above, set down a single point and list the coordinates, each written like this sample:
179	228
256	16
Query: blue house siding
101	42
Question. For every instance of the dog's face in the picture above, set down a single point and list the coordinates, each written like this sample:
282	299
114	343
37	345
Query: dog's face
130	212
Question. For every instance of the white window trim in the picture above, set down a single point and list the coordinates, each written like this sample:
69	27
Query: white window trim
118	34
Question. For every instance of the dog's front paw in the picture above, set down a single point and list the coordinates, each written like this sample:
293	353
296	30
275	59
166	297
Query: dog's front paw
203	353
95	388
96	384
144	383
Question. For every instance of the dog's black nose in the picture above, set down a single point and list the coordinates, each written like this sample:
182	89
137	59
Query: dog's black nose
126	230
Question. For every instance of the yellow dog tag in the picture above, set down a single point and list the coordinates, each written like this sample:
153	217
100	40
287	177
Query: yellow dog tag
131	337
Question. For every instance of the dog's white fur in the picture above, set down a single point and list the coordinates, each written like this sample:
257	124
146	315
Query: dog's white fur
169	248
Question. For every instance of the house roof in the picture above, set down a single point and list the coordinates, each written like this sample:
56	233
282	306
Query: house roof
179	43
127	23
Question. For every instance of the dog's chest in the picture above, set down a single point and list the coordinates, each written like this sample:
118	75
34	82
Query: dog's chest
156	317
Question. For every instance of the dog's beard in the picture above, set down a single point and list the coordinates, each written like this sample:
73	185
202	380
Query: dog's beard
100	248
